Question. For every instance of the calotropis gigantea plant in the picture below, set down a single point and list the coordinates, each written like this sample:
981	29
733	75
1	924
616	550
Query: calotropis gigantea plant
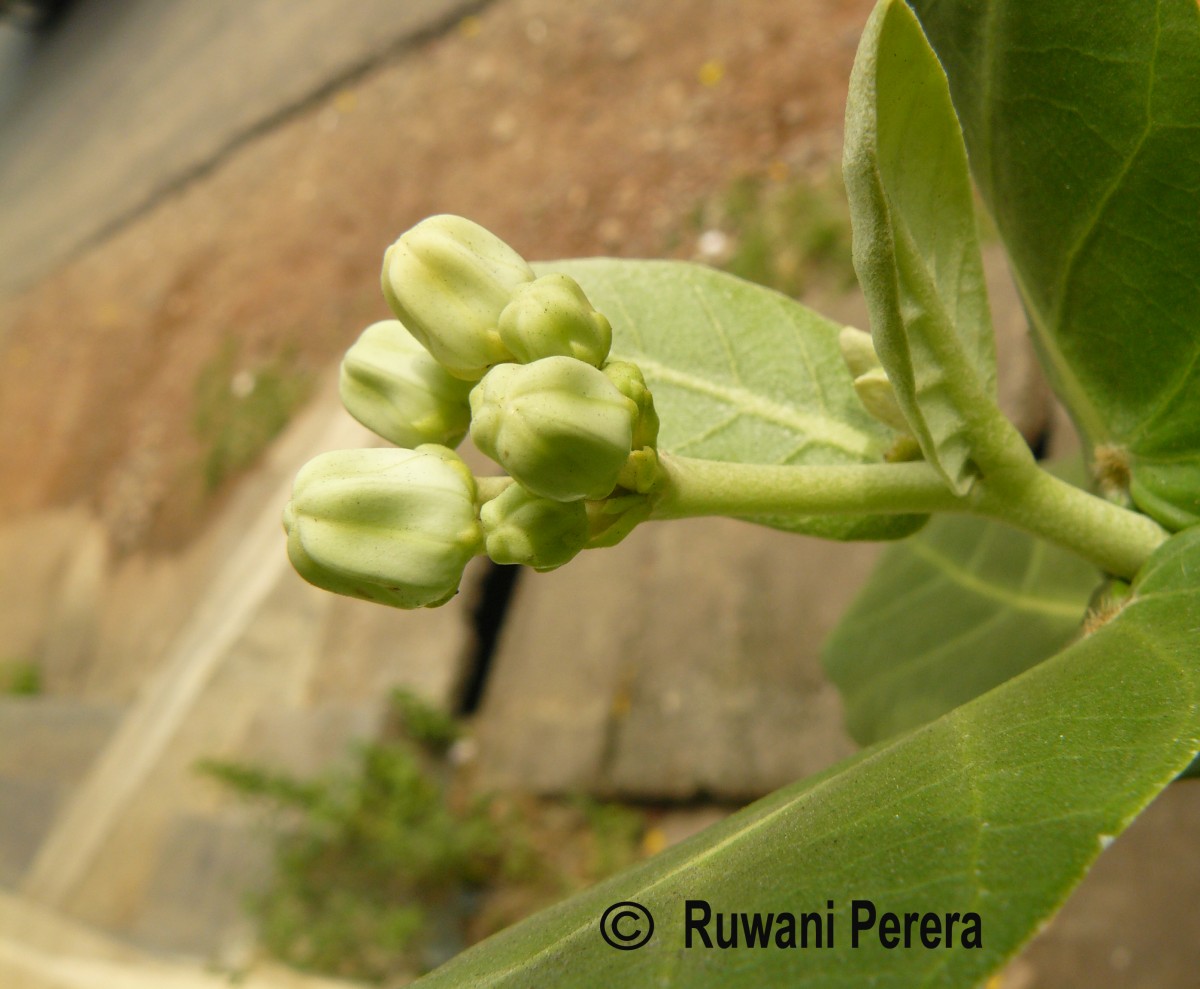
1024	668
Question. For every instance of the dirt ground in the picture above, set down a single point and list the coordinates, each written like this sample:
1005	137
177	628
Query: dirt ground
595	127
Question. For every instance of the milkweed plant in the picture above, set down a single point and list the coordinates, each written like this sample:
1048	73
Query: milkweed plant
1023	669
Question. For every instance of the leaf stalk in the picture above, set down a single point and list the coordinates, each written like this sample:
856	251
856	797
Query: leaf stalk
1117	540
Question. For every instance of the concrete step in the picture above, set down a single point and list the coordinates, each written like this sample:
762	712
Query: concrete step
47	745
27	812
53	739
41	949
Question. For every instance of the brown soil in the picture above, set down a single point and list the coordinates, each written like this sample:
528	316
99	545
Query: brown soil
570	129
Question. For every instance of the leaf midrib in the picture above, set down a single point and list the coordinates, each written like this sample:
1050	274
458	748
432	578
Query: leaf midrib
828	430
1054	607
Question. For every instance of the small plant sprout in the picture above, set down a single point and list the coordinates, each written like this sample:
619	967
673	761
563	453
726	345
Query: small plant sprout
1013	725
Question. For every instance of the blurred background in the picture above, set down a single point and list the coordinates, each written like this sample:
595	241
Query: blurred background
208	768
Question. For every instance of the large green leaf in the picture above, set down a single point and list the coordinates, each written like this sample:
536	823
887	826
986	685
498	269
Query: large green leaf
916	248
739	373
949	614
998	808
1083	126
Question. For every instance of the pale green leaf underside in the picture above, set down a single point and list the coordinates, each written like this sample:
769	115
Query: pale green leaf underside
739	373
998	807
1083	125
949	614
916	248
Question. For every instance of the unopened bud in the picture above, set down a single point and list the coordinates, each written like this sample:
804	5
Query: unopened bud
858	351
447	280
521	527
558	426
879	398
551	317
393	526
394	387
629	382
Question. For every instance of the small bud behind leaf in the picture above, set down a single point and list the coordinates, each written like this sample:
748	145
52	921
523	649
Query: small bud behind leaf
878	398
393	526
858	351
394	387
558	426
447	280
520	527
551	317
871	382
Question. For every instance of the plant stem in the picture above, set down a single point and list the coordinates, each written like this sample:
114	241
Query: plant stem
708	487
1115	539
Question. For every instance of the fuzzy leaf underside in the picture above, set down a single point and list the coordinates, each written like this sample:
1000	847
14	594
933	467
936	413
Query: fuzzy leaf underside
916	247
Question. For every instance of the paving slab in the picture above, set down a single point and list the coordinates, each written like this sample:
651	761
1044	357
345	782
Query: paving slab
36	554
682	663
1132	923
29	808
41	949
52	739
194	905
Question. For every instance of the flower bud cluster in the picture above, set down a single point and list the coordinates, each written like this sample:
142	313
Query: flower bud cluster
479	344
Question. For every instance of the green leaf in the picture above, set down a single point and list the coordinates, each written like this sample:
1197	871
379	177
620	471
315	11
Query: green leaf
998	808
1083	126
916	247
949	614
739	373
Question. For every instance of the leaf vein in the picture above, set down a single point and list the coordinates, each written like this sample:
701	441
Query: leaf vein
832	432
1058	607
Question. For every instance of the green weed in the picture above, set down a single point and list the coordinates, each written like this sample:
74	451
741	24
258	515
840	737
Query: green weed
784	235
384	868
240	409
20	678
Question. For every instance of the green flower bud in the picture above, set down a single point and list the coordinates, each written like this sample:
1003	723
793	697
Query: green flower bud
393	526
858	351
558	426
392	385
520	527
879	398
447	280
551	317
630	383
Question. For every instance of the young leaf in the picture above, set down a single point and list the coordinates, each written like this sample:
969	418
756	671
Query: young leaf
1083	125
997	808
739	373
949	614
916	248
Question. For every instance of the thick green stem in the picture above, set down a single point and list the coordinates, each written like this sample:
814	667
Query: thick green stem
707	487
1116	540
